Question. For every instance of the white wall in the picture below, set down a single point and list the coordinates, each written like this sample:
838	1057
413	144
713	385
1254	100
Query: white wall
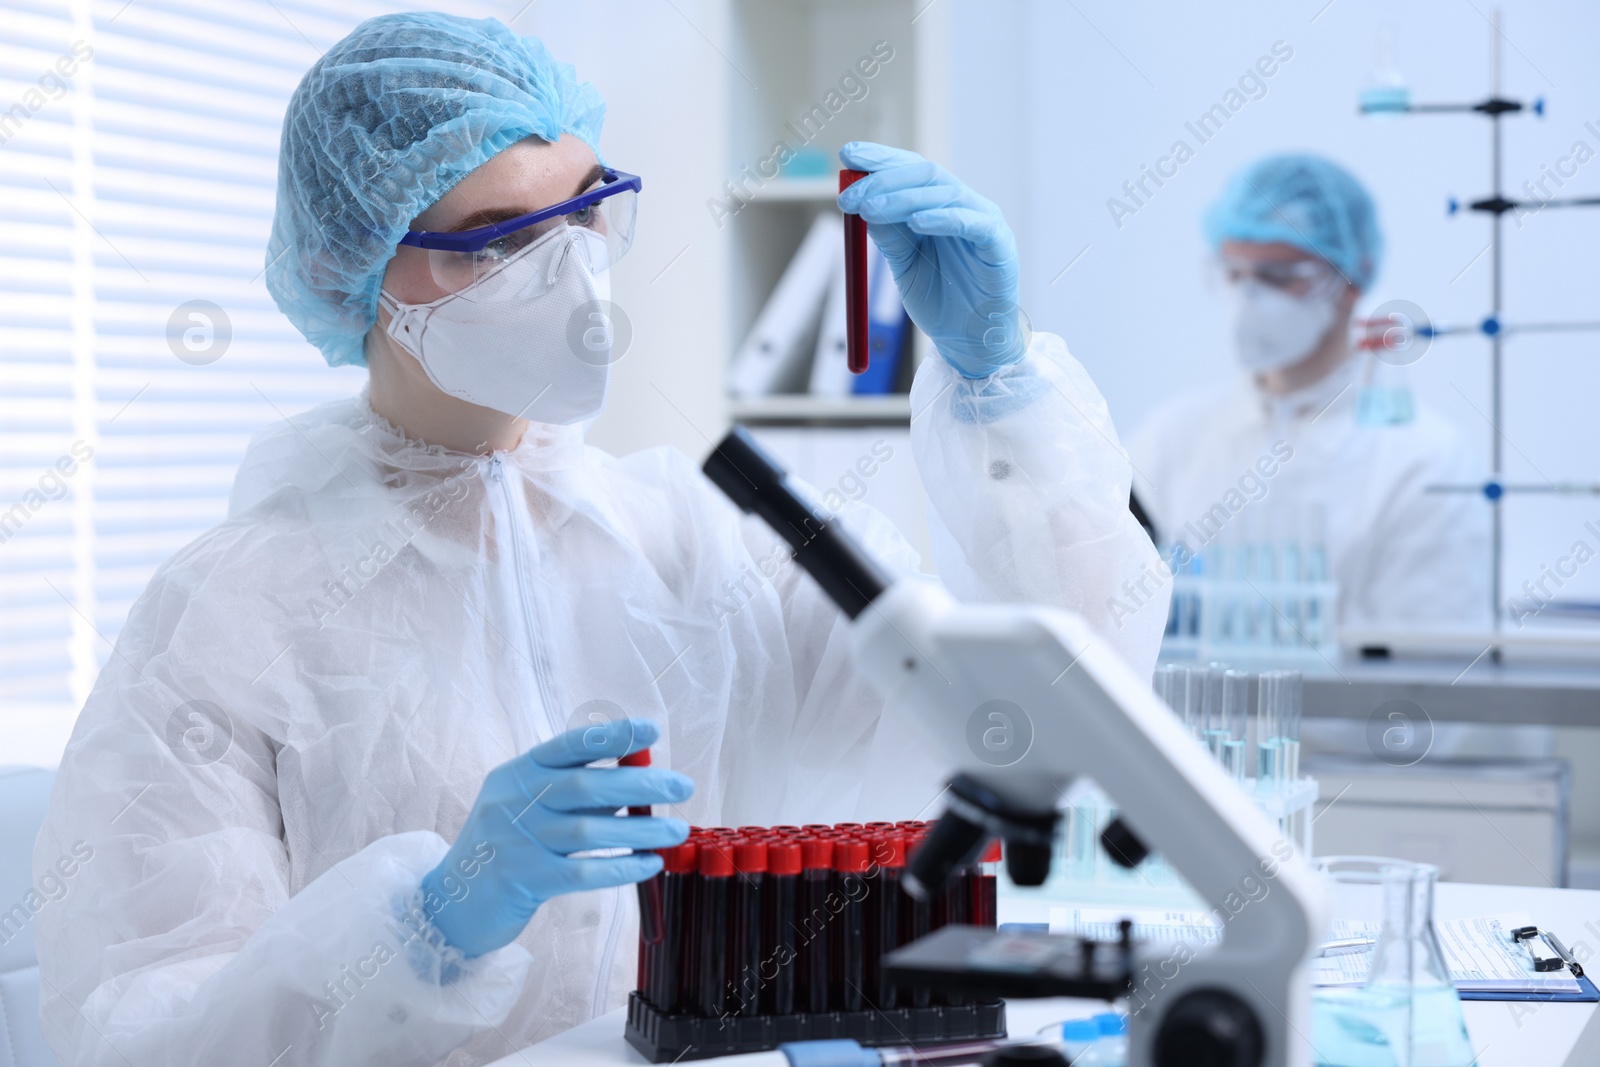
1061	103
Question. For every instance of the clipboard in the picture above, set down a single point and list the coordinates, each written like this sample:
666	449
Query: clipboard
1587	994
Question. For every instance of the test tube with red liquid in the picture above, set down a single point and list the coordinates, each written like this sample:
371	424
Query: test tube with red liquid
816	961
857	336
750	867
781	904
650	915
711	925
850	863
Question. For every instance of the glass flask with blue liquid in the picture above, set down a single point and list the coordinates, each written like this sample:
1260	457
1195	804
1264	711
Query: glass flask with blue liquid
1407	1012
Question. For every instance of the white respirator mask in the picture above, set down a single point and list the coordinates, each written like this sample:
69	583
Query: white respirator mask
533	339
1273	329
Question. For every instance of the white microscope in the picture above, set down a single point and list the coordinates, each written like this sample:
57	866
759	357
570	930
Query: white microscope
1242	1002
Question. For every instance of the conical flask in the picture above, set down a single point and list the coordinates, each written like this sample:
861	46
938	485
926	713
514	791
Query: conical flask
1407	1012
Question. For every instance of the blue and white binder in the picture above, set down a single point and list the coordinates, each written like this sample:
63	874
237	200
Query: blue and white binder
773	356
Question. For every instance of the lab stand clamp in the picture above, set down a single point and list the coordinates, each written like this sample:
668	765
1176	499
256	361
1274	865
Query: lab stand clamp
1402	337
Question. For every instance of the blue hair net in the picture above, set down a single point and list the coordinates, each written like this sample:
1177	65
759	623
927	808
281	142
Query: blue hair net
1305	201
379	129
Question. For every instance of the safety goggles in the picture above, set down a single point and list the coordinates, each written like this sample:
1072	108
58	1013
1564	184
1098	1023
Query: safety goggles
458	260
1297	277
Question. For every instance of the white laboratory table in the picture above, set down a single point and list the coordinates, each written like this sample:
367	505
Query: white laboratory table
1504	1033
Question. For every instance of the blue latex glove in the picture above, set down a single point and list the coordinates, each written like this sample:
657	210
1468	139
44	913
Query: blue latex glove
514	853
952	253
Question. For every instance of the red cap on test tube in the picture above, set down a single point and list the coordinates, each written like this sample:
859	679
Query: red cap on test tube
816	853
681	859
750	856
851	857
715	859
783	857
888	850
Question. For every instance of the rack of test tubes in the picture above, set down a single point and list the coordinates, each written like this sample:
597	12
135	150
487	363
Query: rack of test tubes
1260	587
1250	723
755	936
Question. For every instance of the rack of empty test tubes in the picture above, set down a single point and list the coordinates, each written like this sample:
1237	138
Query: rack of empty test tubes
755	936
1250	723
1259	585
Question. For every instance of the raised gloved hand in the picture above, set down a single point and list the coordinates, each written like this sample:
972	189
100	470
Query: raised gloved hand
514	853
952	253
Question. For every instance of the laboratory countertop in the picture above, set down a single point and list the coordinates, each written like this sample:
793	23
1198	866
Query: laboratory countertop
1504	1034
1457	689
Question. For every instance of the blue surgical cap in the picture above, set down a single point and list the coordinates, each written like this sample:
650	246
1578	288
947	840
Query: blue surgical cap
381	127
1306	201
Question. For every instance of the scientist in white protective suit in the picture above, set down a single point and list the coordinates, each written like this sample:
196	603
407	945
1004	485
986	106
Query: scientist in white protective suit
328	778
1314	443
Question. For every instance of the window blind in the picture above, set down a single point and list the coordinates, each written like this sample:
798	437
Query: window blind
139	348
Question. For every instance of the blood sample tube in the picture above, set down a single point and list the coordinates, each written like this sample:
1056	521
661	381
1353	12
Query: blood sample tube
984	909
916	921
857	336
750	866
850	863
640	758
849	827
711	923
812	931
787	831
953	906
817	828
666	978
780	910
883	916
649	891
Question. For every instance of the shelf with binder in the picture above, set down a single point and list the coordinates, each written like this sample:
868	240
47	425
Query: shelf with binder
789	190
831	72
803	409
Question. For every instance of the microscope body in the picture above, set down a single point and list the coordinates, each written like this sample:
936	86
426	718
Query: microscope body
1070	707
1074	708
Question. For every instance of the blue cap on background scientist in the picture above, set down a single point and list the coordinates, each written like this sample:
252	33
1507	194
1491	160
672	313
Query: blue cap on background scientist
331	777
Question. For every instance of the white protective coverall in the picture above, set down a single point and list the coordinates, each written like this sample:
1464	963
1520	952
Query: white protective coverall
303	705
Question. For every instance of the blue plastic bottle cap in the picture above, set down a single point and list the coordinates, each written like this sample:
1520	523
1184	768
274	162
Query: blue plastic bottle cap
1112	1023
1080	1030
842	1053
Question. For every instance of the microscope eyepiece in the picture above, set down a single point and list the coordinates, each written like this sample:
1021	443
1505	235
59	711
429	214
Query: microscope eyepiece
756	483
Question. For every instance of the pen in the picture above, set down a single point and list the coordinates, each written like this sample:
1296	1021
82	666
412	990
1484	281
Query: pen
1565	953
1344	944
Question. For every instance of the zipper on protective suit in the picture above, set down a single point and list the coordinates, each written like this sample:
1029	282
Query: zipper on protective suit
521	539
